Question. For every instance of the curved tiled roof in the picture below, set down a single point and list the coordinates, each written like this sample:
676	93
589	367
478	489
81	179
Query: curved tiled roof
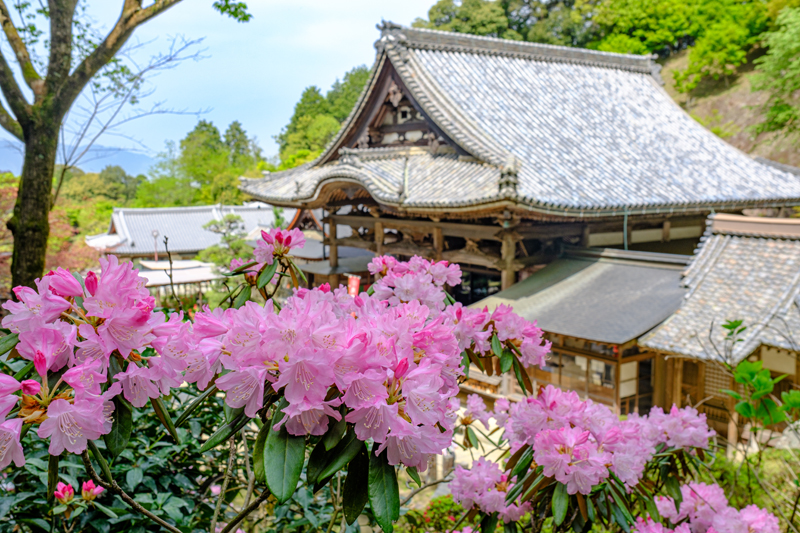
585	133
746	269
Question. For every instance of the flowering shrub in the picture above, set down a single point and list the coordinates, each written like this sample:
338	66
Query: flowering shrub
325	368
577	459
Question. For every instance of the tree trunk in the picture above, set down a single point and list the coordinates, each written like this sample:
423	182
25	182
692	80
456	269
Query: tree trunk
29	224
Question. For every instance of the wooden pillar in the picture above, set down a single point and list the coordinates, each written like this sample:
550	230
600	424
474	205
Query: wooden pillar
379	238
585	236
508	275
677	394
733	427
334	259
665	231
659	381
438	243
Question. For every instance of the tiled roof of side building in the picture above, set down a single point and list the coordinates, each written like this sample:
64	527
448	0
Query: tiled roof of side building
579	132
747	268
183	225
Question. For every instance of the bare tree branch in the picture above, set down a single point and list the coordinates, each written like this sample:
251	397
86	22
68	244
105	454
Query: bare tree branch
132	16
29	73
11	90
10	124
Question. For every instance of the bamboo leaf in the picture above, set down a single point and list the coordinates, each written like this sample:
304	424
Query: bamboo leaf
384	494
117	439
194	405
355	494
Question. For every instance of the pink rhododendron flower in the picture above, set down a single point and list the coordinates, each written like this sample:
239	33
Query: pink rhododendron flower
64	493
10	448
70	426
41	304
476	410
89	491
64	284
137	385
245	388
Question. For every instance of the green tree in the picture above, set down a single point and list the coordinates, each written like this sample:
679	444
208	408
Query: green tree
779	75
75	58
317	118
478	17
232	244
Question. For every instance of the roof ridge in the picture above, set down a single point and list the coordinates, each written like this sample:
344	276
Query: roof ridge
188	208
427	39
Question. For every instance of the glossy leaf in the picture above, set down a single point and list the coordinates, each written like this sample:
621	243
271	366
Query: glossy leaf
266	275
560	504
413	474
489	523
506	361
105	510
384	494
342	454
224	433
258	453
674	490
232	413
497	348
163	416
316	462
117	439
194	405
284	455
52	476
8	342
334	434
242	297
355	494
524	462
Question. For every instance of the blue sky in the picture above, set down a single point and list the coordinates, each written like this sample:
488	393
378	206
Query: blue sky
255	71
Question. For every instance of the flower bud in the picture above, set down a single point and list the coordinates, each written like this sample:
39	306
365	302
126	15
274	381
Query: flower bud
89	491
30	387
64	493
91	283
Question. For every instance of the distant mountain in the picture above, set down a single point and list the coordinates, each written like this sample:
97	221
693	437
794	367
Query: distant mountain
95	160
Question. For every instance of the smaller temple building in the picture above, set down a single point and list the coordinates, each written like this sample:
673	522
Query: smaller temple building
593	305
748	269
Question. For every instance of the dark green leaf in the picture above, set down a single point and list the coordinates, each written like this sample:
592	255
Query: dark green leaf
52	476
522	465
258	453
497	348
518	373
674	490
242	268
8	342
619	518
560	504
58	509
473	439
465	363
413	474
384	494
510	527
117	439
194	405
298	271
316	462
242	297
506	361
232	413
355	494
224	433
105	510
24	371
100	460
284	456
342	454
266	275
133	477
163	416
489	523
334	434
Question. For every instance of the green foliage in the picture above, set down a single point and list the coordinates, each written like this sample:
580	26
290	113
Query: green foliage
236	10
232	244
317	118
478	17
714	123
440	514
780	74
169	479
756	403
203	168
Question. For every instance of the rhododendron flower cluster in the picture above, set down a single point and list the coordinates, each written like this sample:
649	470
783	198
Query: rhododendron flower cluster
577	442
387	362
704	509
485	486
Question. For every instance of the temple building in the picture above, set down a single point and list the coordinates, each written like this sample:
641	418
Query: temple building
497	154
748	269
